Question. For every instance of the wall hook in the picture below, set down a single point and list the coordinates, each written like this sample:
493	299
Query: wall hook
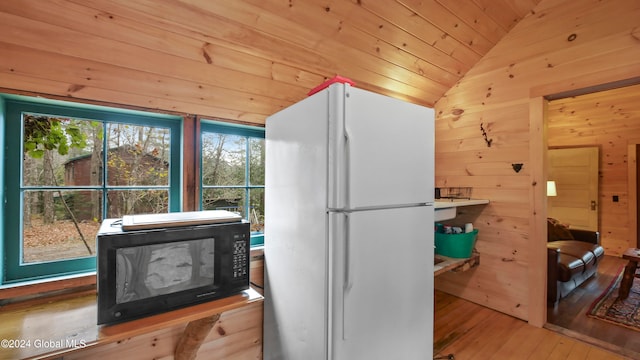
484	134
517	167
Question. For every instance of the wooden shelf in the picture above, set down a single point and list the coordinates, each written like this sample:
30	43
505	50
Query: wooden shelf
451	203
55	328
455	265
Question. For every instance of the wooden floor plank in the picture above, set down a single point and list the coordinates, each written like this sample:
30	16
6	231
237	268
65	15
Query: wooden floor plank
546	346
470	341
472	332
520	343
599	354
562	350
499	329
579	351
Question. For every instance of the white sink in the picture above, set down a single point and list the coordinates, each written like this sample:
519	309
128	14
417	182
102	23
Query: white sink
446	209
445	213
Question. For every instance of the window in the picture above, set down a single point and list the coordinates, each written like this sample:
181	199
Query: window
68	167
232	172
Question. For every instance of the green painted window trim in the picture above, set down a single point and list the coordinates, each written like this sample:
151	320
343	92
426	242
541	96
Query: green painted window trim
11	108
211	126
2	187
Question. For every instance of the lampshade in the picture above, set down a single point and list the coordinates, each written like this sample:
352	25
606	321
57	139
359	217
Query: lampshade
551	188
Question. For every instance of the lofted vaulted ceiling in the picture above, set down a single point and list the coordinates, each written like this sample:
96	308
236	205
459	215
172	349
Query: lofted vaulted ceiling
244	59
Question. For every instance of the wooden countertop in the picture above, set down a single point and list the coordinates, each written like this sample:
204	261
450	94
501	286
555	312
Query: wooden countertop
46	329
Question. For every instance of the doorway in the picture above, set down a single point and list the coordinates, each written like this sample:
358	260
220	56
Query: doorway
634	189
636	181
574	171
607	120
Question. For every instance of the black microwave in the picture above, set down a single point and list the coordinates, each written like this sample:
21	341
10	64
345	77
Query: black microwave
148	271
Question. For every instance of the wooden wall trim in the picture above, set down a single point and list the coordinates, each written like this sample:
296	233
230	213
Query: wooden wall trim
579	85
632	185
12	293
538	212
191	163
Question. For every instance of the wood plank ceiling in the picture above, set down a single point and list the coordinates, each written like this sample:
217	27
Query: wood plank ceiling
244	60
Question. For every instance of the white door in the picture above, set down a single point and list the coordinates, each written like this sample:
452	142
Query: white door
383	292
388	151
575	171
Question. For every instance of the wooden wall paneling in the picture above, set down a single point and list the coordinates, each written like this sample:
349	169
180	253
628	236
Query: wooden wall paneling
534	59
358	32
156	344
263	50
12	83
431	59
472	117
87	73
215	31
406	19
237	335
492	283
486	181
482	22
498	208
288	37
600	66
474	140
23	31
113	68
350	59
498	132
508	14
495	239
460	39
550	26
514	154
496	168
79	17
214	51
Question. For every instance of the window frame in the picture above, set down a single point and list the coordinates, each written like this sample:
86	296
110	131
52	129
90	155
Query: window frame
248	132
13	270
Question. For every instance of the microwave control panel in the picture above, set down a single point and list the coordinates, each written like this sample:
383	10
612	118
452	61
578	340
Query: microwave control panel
240	259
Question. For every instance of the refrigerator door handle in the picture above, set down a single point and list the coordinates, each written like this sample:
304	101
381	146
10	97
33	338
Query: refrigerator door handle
347	165
347	284
347	255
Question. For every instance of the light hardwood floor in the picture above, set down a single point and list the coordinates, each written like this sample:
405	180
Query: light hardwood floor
471	331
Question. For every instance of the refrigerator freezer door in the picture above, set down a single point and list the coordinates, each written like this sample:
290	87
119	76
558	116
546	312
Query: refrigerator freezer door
389	151
383	285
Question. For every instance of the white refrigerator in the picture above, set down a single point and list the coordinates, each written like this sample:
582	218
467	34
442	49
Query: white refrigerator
349	228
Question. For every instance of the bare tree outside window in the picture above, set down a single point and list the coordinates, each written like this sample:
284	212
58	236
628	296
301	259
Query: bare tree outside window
67	187
233	175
